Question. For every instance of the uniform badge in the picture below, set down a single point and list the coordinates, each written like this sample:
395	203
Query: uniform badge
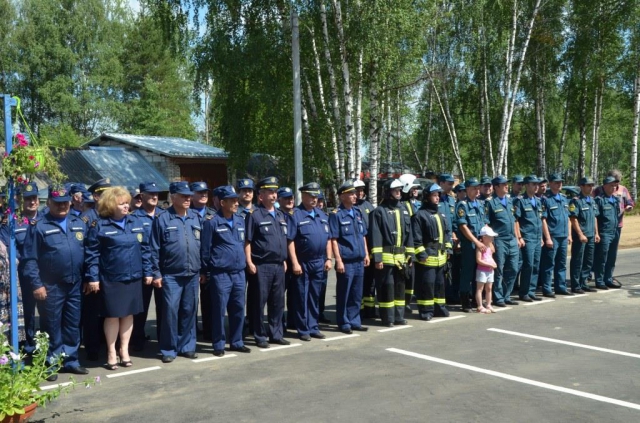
196	234
326	228
241	236
29	188
572	207
266	228
460	212
79	236
139	236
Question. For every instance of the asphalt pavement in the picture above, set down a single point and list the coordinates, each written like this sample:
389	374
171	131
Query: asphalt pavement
568	359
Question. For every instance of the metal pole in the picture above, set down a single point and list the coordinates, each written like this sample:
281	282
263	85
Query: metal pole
8	142
297	102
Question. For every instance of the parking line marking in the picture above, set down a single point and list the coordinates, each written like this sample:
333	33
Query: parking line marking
444	319
395	328
559	341
201	360
635	286
280	347
335	338
609	291
573	297
499	309
518	379
132	372
61	385
539	302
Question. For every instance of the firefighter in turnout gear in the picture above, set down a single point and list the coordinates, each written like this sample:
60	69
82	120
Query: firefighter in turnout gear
392	251
368	285
408	201
431	232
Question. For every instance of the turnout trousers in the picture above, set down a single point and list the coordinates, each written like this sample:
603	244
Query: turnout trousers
349	295
369	293
429	286
180	310
390	288
267	288
553	266
227	294
305	293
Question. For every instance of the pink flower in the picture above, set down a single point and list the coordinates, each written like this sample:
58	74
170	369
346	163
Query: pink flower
25	221
21	137
5	154
8	211
36	165
19	179
32	157
55	194
3	360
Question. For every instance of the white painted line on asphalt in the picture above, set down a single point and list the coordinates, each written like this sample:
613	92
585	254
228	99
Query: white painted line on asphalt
395	328
44	388
573	297
559	341
335	338
518	379
444	319
499	309
133	372
201	360
539	302
608	291
635	286
280	347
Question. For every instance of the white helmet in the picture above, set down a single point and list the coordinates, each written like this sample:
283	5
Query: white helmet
358	183
408	182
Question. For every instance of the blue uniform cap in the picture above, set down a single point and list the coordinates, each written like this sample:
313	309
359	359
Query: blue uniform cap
609	179
459	187
471	182
76	188
543	180
226	191
58	194
347	186
245	184
500	179
101	185
321	195
555	177
87	197
134	193
285	192
199	186
517	179
531	179
149	187
270	182
312	188
587	180
29	190
445	177
571	190
485	180
181	187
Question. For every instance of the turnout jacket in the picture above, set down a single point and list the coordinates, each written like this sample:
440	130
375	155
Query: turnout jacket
431	237
391	237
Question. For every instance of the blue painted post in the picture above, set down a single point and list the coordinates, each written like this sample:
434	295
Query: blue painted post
10	102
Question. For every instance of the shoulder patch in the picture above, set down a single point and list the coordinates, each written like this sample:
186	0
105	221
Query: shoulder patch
85	219
461	211
209	217
334	211
94	223
572	207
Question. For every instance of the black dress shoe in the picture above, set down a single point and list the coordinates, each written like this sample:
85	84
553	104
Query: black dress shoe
534	298
305	338
570	294
52	378
318	335
587	289
526	299
348	331
578	292
549	295
280	341
360	328
189	354
218	353
78	370
426	316
603	287
511	302
167	358
242	349
614	286
408	310
500	304
400	322
263	344
388	325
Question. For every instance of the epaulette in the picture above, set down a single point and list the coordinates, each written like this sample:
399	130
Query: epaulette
94	223
208	216
335	211
290	212
85	219
251	211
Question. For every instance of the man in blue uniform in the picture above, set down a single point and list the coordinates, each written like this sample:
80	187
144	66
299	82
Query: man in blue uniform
470	219
486	189
200	199
30	203
53	263
368	284
584	232
529	212
516	186
286	203
557	236
222	258
499	215
606	251
349	245
244	188
76	191
147	213
322	205
310	256
175	254
266	254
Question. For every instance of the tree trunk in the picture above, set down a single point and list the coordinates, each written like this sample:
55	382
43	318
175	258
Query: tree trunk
389	140
374	138
487	118
482	129
398	140
540	122
634	139
346	92
583	131
429	122
563	136
335	104
597	119
358	122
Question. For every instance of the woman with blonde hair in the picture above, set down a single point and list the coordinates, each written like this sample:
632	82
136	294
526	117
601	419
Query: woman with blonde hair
118	259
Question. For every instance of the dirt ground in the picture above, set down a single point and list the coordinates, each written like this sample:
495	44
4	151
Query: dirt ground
630	232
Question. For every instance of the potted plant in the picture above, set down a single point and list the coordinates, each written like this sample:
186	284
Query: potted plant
20	391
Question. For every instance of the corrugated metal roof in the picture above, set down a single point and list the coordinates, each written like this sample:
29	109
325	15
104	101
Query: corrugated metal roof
125	167
166	146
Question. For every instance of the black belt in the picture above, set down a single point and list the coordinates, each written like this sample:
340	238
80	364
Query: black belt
394	250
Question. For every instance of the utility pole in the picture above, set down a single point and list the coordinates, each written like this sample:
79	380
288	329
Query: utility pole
297	101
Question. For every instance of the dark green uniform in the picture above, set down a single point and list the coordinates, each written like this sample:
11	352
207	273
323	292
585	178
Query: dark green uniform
471	214
499	215
529	212
584	209
605	256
